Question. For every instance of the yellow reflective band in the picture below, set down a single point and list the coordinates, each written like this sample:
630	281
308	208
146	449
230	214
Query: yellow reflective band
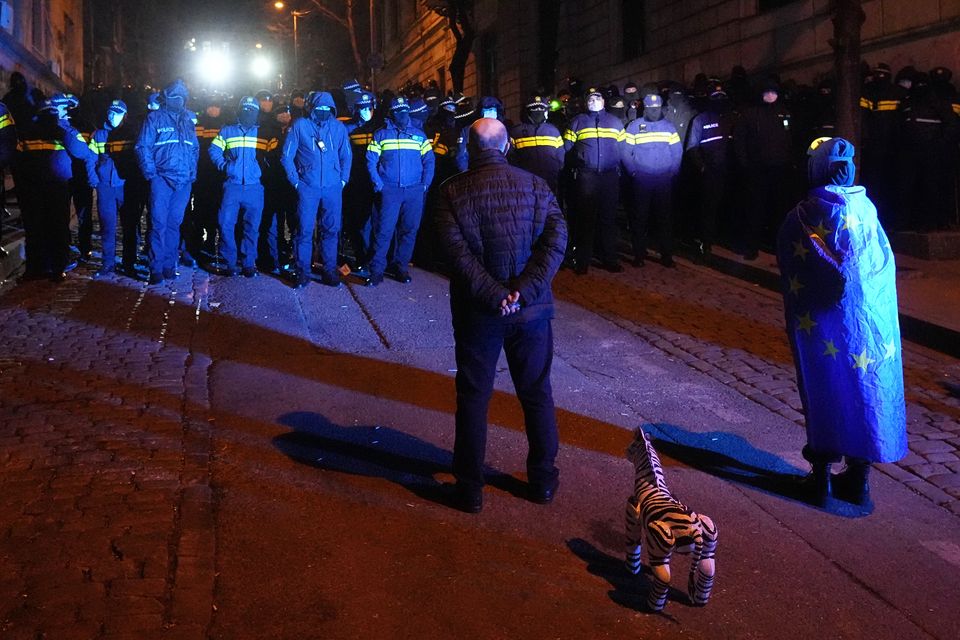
374	147
601	132
219	143
956	108
361	138
97	147
244	142
119	145
538	141
85	139
426	148
436	138
570	135
887	105
273	144
41	145
866	104
399	144
648	137
5	121
441	149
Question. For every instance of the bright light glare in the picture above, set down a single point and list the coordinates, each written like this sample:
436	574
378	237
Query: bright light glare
259	45
260	67
215	68
278	5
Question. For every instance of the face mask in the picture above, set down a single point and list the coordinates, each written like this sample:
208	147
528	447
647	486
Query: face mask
906	84
538	117
175	104
321	115
490	113
770	97
248	117
366	114
652	113
114	119
401	119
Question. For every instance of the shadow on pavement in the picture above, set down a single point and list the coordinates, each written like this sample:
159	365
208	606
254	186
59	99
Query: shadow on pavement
376	452
732	457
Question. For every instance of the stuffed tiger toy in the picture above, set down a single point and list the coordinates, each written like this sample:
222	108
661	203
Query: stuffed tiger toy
668	526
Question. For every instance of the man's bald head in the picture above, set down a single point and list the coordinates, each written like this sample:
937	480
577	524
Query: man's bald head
488	133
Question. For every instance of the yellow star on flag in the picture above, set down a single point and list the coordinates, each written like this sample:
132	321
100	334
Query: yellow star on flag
831	351
851	222
795	285
806	323
800	251
861	361
890	350
822	231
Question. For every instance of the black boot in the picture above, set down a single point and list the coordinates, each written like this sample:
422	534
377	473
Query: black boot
817	486
853	484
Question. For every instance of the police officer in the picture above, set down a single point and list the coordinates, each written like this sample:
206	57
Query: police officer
116	166
710	150
536	145
49	145
239	152
358	194
763	143
207	190
400	162
167	151
652	159
881	118
81	195
487	107
8	150
594	141
444	134
317	159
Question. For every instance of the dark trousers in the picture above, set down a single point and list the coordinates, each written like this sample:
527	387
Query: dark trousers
47	220
201	227
596	212
714	183
168	202
109	206
82	196
136	195
249	199
651	197
769	190
279	217
398	210
529	349
314	202
357	217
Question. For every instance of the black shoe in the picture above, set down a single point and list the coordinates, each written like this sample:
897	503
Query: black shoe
155	278
816	488
330	279
466	499
188	261
543	494
852	484
399	274
170	274
301	281
361	270
374	280
104	272
667	261
250	272
613	267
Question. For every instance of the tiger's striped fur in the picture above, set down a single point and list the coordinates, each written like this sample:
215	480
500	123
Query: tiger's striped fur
666	525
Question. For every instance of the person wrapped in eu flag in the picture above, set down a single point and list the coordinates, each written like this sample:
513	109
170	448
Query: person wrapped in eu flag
840	301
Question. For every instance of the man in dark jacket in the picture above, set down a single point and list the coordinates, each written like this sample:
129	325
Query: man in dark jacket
167	151
505	237
316	157
536	145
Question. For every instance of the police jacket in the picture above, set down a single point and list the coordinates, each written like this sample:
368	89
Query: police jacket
207	129
49	146
168	146
240	153
317	153
445	137
399	158
116	161
537	148
595	141
361	135
763	136
652	149
503	232
8	136
710	140
680	113
926	123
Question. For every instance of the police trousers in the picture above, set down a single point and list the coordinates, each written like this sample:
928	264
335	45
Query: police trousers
168	202
651	197
529	350
596	196
112	206
324	203
398	211
249	199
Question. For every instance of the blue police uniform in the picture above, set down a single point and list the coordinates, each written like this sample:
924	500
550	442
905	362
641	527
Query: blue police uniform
710	148
358	195
239	151
536	145
400	163
594	142
48	148
652	157
116	164
316	157
167	151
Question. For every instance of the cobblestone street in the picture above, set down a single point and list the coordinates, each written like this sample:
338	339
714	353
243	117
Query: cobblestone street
134	421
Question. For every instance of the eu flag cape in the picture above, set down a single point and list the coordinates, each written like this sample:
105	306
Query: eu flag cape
840	300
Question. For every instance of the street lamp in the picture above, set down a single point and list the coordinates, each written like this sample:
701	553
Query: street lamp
279	6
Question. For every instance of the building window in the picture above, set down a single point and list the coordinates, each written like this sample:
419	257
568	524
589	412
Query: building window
770	5
488	65
548	16
634	28
36	35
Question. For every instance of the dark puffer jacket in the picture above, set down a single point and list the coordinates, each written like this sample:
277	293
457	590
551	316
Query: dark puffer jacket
503	232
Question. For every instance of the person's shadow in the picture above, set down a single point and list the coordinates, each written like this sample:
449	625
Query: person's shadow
377	452
732	457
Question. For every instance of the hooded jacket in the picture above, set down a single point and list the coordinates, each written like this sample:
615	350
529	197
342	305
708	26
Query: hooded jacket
398	158
317	153
167	146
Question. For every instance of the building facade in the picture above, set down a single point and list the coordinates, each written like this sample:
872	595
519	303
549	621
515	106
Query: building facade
43	40
523	46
